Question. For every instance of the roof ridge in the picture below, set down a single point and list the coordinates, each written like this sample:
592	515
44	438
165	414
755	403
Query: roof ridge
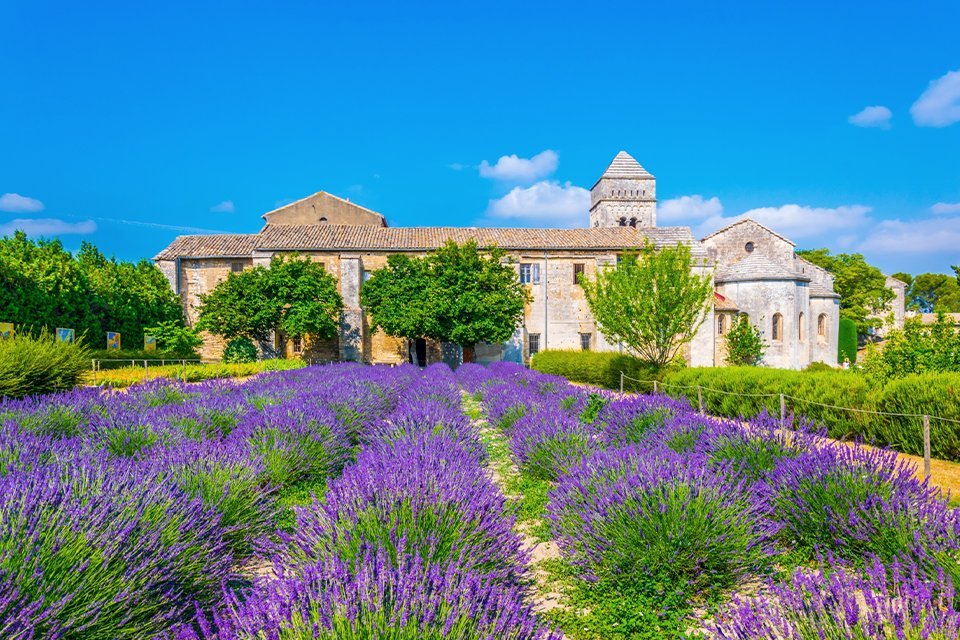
743	220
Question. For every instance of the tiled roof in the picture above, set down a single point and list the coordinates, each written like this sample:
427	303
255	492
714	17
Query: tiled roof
756	267
724	303
624	166
371	238
817	290
223	245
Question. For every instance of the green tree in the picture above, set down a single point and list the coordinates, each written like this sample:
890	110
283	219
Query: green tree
916	348
652	301
933	292
173	337
295	295
398	298
847	341
458	293
862	287
745	345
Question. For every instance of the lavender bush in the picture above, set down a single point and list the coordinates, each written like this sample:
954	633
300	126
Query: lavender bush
549	443
879	602
632	515
853	501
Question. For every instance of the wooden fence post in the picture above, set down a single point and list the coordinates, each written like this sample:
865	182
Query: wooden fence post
783	411
621	382
656	388
926	446
700	397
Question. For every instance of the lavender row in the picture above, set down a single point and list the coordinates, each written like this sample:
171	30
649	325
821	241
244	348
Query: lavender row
413	540
121	513
647	492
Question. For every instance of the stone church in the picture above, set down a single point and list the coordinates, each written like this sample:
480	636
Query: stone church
755	272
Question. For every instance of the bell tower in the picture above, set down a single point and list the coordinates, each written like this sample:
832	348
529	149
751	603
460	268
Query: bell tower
624	196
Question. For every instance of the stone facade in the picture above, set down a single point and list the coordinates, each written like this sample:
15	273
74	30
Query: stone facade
352	242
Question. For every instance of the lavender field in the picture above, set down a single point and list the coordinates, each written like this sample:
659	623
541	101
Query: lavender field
351	501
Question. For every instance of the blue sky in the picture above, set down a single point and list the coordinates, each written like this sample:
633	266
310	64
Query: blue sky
837	124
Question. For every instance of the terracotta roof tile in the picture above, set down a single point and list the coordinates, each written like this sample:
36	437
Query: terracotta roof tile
371	238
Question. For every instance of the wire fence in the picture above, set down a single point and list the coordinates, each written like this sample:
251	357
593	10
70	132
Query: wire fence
783	397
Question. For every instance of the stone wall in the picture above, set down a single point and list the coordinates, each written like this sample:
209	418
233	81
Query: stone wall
729	246
614	198
761	300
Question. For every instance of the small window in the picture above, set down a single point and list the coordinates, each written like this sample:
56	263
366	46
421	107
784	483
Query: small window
533	343
721	324
800	328
236	267
633	222
577	272
529	273
297	344
777	327
586	339
822	326
623	222
748	247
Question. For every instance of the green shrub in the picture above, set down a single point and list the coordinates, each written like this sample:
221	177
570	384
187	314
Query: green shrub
936	394
597	368
240	350
847	342
38	364
747	391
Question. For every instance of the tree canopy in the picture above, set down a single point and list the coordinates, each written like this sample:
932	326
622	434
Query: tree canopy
457	294
295	295
652	302
931	292
862	286
42	285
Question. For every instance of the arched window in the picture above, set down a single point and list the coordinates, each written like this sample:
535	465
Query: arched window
323	220
623	222
633	222
777	327
822	327
800	327
721	324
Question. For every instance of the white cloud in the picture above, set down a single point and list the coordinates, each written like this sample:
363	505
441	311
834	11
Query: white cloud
947	208
546	202
939	105
917	237
522	170
16	203
877	117
799	222
224	207
457	166
688	209
47	227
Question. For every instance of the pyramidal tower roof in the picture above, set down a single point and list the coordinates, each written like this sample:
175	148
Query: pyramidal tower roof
624	166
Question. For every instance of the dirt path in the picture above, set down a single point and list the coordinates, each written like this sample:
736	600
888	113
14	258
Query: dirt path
505	474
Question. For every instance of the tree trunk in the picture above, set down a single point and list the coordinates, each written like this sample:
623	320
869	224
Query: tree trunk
467	353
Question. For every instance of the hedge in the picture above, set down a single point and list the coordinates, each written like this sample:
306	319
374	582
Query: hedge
596	368
935	394
118	378
847	340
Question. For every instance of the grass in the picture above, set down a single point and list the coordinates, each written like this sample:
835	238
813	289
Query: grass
126	376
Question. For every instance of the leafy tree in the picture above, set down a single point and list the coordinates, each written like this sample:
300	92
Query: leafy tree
398	297
456	294
745	345
916	348
240	350
652	302
173	337
933	292
43	286
862	287
295	295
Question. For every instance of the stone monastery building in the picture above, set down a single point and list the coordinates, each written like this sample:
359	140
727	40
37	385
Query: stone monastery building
755	271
